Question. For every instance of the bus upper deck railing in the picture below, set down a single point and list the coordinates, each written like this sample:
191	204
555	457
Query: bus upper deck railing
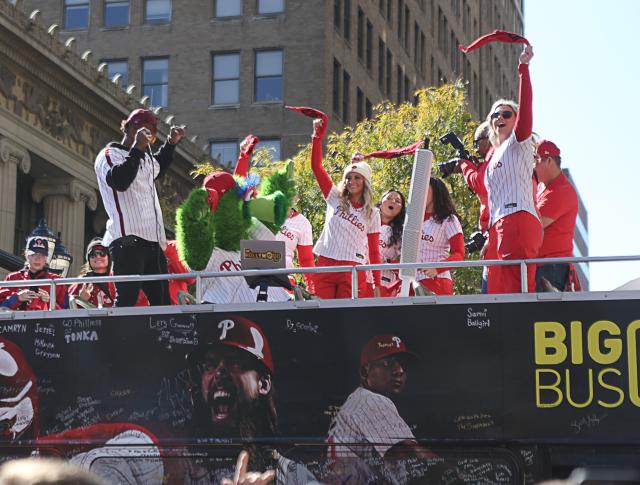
199	275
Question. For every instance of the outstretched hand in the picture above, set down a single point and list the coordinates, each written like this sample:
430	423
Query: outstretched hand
176	134
242	477
526	55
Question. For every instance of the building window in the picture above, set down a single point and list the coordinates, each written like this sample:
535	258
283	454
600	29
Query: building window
407	89
225	153
272	146
76	14
346	100
157	11
118	66
381	49
389	79
268	83
336	86
407	23
347	20
337	14
360	34
155	81
399	31
226	79
270	6
399	97
423	50
369	46
359	105
368	108
389	10
116	13
228	8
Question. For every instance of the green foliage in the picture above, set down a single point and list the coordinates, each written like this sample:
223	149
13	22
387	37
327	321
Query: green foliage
195	230
439	110
230	223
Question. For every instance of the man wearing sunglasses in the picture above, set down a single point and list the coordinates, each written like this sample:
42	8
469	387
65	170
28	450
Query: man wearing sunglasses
135	235
557	202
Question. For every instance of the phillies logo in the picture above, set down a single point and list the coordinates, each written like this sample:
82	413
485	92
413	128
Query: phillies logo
397	340
258	342
427	237
383	244
287	233
229	265
497	165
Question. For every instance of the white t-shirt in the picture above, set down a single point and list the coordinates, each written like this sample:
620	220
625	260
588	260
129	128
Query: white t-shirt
434	242
344	236
135	211
388	253
234	289
367	418
509	179
296	231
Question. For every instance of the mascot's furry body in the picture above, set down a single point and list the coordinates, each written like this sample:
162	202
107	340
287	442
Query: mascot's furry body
214	218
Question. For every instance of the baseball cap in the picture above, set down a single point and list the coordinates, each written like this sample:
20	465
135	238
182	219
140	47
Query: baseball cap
362	168
547	148
140	116
244	334
95	243
382	346
37	245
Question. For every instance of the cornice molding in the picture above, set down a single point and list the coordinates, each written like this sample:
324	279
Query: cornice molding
12	152
75	190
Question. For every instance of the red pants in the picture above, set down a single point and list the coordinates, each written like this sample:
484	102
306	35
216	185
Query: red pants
516	236
439	286
338	285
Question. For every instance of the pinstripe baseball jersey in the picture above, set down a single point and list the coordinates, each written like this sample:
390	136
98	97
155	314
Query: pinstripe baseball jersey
509	179
295	231
388	253
135	211
234	289
344	235
367	418
434	242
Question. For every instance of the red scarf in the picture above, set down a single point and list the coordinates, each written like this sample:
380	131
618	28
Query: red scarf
495	36
395	152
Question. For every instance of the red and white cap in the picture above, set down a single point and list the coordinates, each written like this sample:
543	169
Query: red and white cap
37	245
140	117
547	148
382	346
362	168
244	334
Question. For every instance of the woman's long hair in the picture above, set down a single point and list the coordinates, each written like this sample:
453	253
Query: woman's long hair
397	223
493	136
366	198
443	206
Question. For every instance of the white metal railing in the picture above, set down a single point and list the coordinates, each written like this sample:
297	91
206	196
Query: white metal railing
199	275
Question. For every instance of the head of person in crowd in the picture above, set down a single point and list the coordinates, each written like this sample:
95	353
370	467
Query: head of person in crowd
502	121
548	161
45	471
36	253
355	186
481	142
139	119
392	207
19	408
98	261
439	201
231	382
384	362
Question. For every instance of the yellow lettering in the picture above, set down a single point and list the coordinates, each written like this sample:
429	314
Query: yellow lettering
551	387
568	384
576	343
632	358
549	336
611	387
614	346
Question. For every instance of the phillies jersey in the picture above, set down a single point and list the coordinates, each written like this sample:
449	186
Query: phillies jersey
388	254
509	179
434	242
370	420
296	231
344	235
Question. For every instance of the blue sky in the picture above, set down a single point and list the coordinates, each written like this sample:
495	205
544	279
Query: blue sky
586	89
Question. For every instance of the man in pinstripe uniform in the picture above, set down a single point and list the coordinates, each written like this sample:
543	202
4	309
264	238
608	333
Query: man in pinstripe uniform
126	173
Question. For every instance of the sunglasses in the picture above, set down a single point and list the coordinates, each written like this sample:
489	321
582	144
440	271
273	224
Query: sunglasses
477	141
98	253
505	114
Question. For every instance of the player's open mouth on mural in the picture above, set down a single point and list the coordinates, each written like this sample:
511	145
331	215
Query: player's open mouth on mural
222	404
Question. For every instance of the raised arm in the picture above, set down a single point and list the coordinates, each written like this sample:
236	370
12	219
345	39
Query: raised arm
524	120
246	149
324	181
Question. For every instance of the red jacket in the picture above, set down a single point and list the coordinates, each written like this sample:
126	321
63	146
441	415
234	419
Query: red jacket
9	296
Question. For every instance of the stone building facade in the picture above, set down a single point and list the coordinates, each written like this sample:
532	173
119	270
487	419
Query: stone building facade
57	110
228	67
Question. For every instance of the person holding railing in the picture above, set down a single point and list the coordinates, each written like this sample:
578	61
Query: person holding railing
441	239
515	230
33	297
